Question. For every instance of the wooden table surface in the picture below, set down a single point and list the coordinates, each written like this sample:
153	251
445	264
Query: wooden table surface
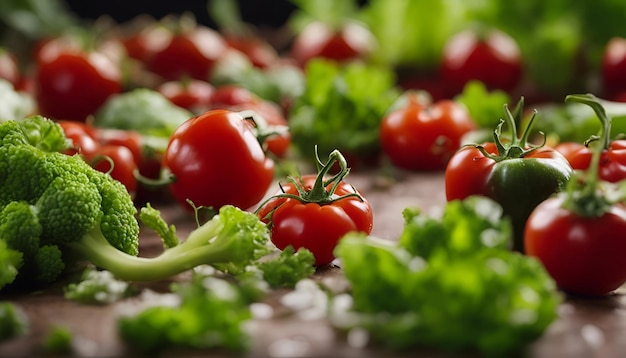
585	327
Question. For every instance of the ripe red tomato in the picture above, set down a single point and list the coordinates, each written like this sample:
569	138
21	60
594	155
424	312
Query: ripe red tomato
612	160
194	95
424	137
492	57
124	138
260	53
236	98
190	53
118	161
216	160
317	226
584	255
71	83
82	136
317	39
613	68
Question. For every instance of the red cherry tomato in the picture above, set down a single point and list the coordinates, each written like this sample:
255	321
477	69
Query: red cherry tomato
314	225
584	255
420	137
194	95
236	98
216	160
71	83
492	58
613	68
260	53
612	160
190	53
352	41
124	138
83	137
119	162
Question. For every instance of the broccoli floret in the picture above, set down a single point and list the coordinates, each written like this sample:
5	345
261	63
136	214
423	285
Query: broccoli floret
58	341
97	287
288	267
80	210
10	262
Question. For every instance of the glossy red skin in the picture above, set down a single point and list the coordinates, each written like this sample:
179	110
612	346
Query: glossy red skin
125	138
194	95
260	53
124	164
612	160
236	98
217	160
72	84
469	170
188	54
317	39
424	138
613	67
82	136
583	255
313	226
494	59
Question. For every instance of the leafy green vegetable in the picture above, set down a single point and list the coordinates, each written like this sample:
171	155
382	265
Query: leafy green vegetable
484	106
97	287
13	321
211	314
456	285
143	110
341	108
288	267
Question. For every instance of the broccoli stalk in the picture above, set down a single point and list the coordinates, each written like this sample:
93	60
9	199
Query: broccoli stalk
232	239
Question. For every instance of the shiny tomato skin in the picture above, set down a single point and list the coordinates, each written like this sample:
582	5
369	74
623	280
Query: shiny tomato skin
493	58
424	138
72	84
122	160
194	95
187	54
217	160
83	137
121	137
260	53
612	160
467	172
317	227
584	255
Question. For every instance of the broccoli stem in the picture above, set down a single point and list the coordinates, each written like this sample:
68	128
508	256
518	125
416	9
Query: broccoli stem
196	250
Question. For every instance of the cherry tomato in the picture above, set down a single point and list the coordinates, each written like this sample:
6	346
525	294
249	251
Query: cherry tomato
124	138
83	137
514	174
316	222
260	53
118	161
612	160
192	94
190	53
71	83
317	39
236	98
584	255
216	160
492	57
424	137
613	67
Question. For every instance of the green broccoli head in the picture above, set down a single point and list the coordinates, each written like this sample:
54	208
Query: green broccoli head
47	264
10	263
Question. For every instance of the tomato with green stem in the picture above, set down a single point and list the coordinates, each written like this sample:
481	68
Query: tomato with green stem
216	159
578	234
612	166
316	211
514	173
